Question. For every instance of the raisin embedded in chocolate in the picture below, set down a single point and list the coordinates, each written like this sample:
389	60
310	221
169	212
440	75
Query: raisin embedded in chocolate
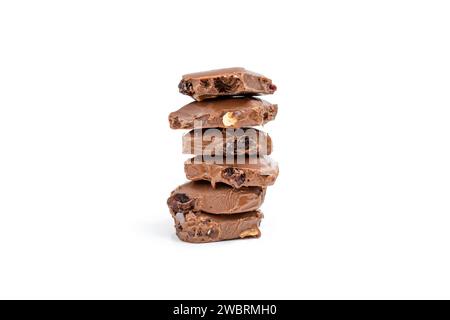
272	87
226	84
180	202
228	172
181	197
240	179
234	174
185	87
205	83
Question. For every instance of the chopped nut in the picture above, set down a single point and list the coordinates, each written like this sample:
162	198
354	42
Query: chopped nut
228	119
253	232
180	217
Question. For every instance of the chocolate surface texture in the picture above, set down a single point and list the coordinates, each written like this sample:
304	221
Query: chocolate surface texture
215	141
261	172
200	227
224	113
200	196
225	82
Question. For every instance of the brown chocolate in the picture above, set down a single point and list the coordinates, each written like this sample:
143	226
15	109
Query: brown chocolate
201	196
224	113
225	82
261	172
216	142
198	227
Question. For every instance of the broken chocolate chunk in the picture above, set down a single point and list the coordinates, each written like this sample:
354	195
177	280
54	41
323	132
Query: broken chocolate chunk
201	227
219	200
261	172
230	81
224	113
217	142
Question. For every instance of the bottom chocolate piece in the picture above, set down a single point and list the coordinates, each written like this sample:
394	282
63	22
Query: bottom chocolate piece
198	227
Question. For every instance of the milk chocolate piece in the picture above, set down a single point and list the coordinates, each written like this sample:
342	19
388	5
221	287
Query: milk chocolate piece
200	196
215	142
261	172
225	82
198	227
224	113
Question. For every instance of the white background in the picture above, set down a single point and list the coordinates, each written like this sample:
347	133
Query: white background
361	208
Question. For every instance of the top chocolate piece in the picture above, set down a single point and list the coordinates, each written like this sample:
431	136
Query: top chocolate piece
225	82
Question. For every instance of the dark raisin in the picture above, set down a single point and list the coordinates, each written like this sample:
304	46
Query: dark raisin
240	179
228	172
180	202
226	84
181	197
185	87
272	87
205	83
234	174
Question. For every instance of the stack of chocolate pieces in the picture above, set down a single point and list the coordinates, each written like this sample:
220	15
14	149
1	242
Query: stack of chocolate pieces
230	170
